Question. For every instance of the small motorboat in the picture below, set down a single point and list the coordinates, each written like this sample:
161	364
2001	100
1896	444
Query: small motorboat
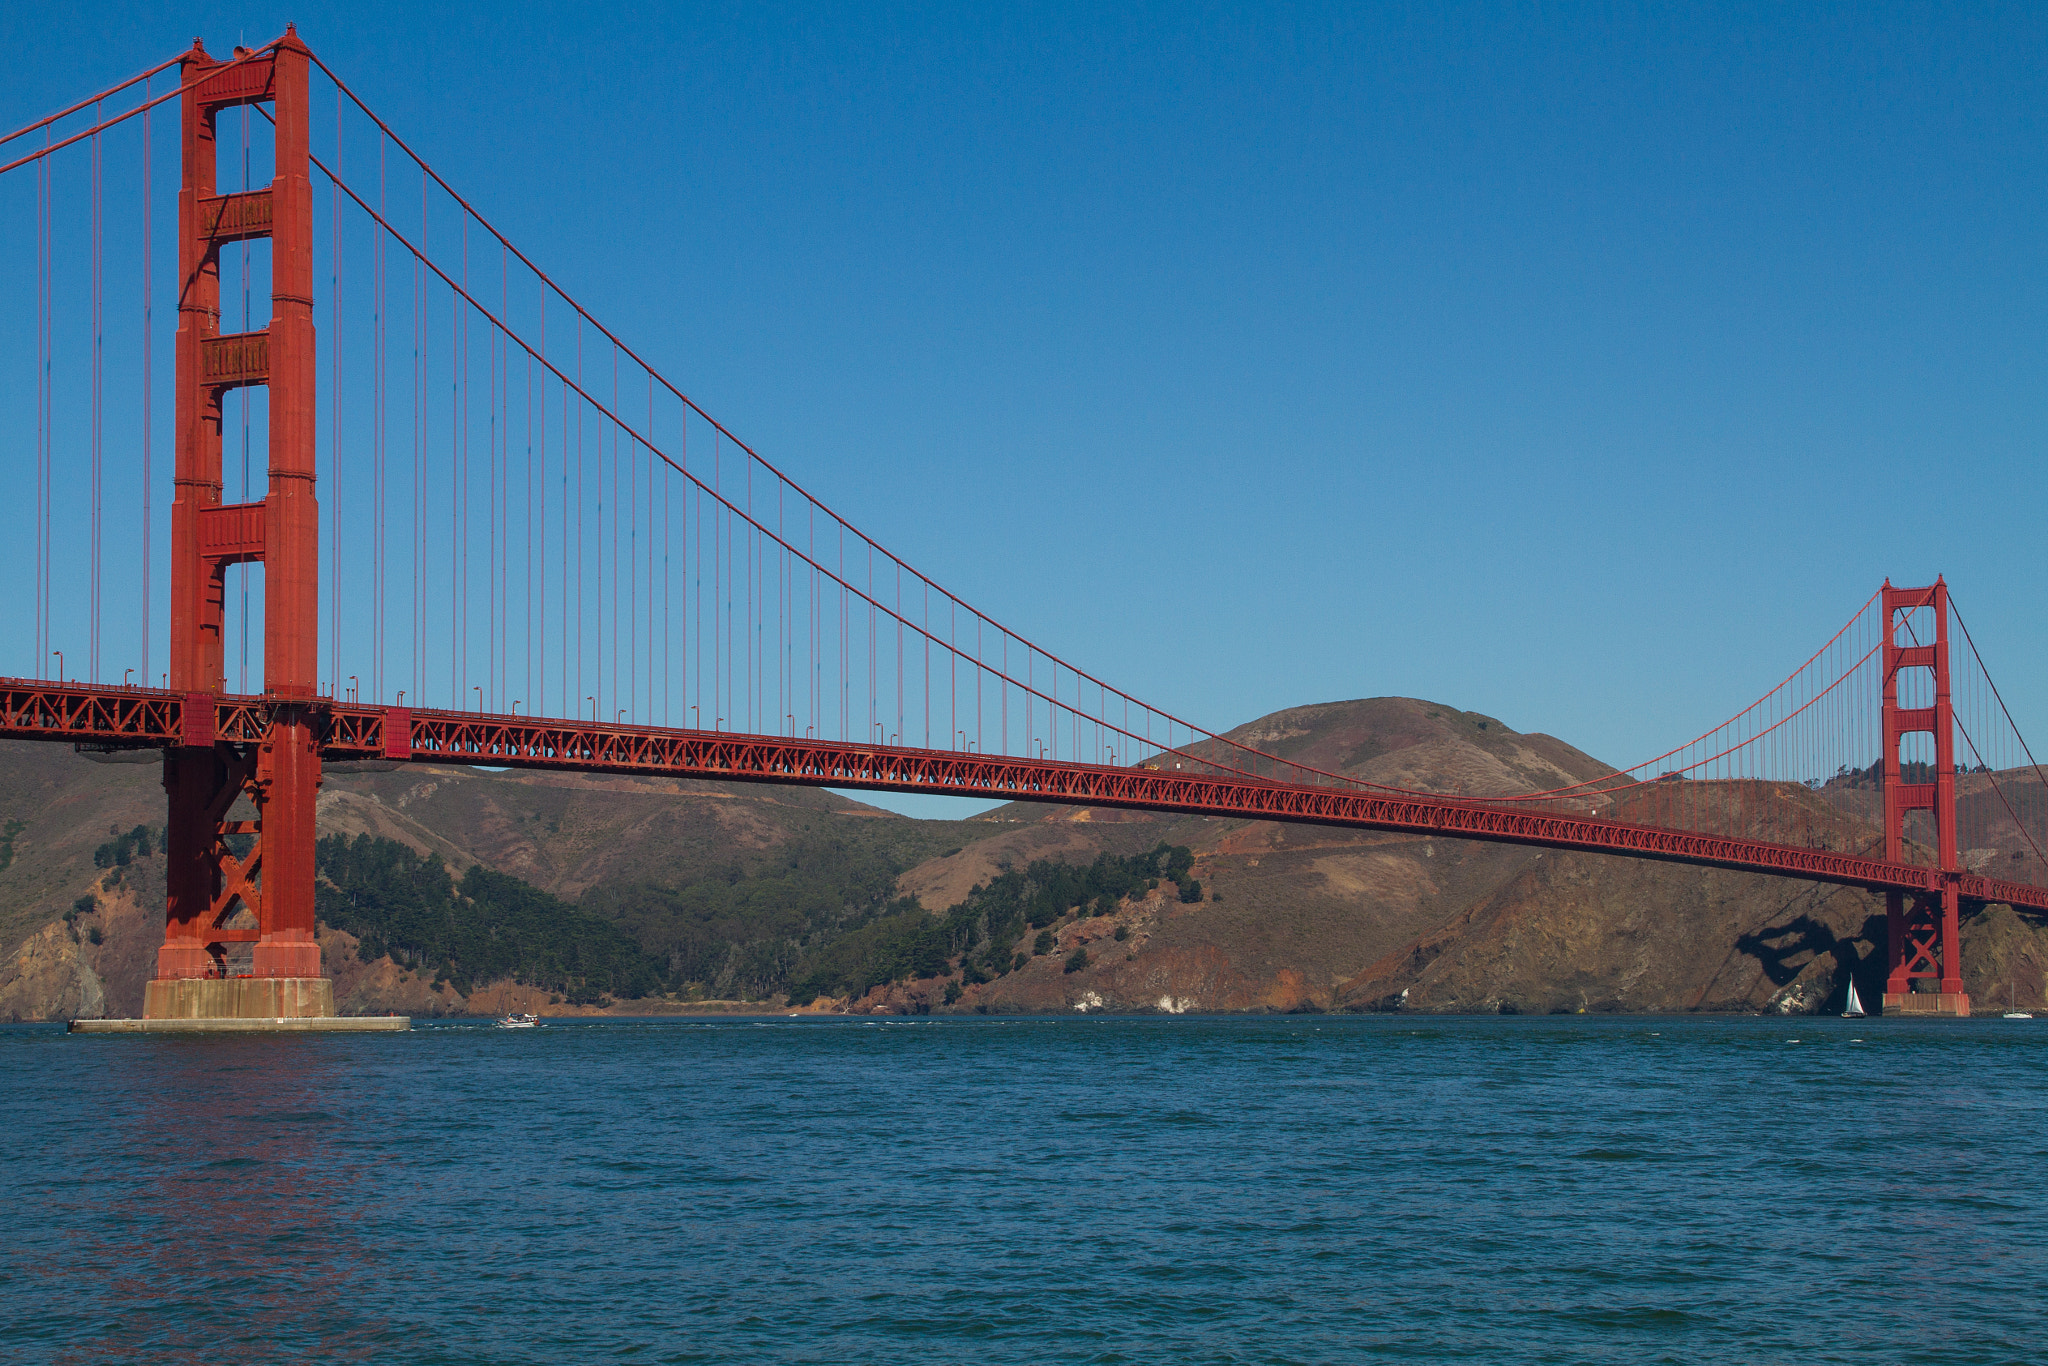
517	1020
1855	1007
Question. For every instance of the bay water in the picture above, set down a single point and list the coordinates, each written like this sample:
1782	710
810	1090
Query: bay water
991	1190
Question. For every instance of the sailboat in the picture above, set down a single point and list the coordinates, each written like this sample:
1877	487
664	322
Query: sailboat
2012	1003
1855	1010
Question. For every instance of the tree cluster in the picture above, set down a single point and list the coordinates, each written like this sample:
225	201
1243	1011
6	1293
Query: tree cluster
1016	902
743	934
820	919
485	927
117	852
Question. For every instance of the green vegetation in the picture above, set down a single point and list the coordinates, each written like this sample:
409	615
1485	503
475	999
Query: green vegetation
1016	902
818	917
1910	771
983	932
116	853
487	926
744	934
7	834
909	942
821	918
1077	960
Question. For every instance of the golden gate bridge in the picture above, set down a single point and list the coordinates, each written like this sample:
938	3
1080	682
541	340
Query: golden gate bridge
537	551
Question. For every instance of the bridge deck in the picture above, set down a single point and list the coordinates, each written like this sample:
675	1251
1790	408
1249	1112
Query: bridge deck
148	718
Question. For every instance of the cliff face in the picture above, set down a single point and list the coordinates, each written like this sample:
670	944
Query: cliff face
91	958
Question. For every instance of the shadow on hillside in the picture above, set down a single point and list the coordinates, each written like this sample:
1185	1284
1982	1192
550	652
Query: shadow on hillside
1784	951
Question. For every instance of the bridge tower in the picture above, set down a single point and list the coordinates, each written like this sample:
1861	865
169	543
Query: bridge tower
219	868
1925	935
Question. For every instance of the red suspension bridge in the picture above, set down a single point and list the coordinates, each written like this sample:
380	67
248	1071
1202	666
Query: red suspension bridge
537	551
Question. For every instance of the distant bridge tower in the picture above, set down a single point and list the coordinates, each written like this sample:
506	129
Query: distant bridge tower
1925	936
210	883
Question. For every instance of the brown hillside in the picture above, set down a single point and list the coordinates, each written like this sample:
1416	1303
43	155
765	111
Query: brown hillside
563	832
1304	917
1407	742
1294	917
568	832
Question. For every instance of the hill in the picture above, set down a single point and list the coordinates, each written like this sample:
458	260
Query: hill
735	891
80	938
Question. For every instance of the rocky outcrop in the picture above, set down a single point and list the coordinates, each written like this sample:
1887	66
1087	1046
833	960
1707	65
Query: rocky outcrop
47	977
92	961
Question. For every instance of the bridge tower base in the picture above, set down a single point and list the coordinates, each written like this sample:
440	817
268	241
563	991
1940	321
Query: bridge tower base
238	998
1956	1006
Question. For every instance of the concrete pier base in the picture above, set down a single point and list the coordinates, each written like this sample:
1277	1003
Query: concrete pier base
238	998
313	1024
1955	1004
240	1005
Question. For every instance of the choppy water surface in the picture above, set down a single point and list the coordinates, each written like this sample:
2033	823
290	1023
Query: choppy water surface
1299	1189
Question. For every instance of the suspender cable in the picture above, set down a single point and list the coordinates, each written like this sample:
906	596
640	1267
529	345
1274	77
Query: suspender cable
458	498
578	608
243	398
492	606
93	615
381	456
334	407
148	413
43	415
140	78
527	566
540	685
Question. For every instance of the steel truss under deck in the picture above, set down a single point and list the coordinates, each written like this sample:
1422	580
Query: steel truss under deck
148	718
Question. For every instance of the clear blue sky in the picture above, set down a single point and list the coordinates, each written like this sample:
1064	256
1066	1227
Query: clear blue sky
1584	366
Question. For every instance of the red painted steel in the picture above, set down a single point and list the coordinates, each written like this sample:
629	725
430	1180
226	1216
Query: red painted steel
220	749
1925	936
142	718
207	771
235	217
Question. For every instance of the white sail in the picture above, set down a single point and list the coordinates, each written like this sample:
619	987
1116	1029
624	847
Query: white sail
1855	1006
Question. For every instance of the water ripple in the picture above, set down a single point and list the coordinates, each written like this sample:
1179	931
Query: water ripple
1093	1190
